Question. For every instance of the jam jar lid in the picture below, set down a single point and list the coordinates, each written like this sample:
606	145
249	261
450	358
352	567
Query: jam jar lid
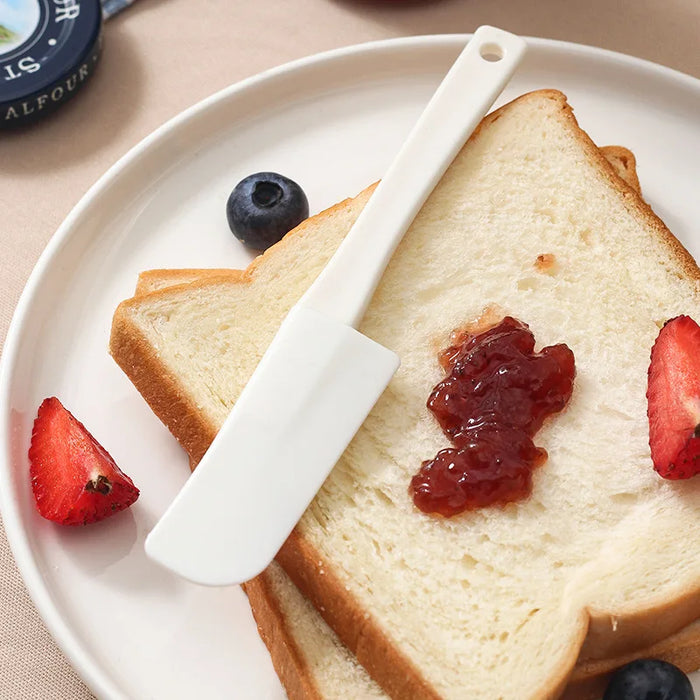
48	50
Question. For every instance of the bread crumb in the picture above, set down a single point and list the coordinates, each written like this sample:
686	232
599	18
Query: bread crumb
545	262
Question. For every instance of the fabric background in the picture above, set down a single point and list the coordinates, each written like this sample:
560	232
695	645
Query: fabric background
161	56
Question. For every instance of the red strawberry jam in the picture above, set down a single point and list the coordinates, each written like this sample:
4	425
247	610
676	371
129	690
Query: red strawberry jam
496	395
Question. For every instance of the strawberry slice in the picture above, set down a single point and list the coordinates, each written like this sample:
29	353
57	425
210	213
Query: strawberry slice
673	393
75	481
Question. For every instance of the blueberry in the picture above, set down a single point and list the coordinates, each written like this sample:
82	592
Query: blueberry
649	679
263	207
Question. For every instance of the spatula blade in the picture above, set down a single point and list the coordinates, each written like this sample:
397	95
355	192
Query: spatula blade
304	403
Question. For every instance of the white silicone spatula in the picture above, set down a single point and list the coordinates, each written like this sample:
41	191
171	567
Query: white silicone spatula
320	377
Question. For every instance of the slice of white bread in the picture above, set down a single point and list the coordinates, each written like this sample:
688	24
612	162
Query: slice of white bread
495	603
310	659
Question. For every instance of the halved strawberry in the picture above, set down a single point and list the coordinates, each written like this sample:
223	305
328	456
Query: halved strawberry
74	479
673	393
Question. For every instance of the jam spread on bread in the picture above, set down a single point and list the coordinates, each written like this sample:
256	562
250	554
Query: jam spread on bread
496	395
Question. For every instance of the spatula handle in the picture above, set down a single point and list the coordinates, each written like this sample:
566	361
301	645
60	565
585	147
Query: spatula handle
346	285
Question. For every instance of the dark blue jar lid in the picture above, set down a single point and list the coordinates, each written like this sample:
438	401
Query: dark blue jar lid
48	50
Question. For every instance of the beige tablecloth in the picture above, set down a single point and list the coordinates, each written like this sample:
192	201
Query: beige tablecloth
161	56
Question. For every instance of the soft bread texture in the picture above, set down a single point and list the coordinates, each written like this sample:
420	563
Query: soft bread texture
308	656
495	603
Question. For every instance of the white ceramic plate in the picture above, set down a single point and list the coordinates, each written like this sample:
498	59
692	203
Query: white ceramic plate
332	122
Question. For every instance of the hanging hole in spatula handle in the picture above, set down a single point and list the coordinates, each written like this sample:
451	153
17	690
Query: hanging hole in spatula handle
491	52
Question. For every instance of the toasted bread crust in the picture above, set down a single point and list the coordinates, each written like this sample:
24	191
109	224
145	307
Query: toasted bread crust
298	557
624	164
354	627
149	280
610	635
160	389
287	658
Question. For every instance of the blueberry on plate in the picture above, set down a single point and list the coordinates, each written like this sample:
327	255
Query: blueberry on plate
263	207
649	679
